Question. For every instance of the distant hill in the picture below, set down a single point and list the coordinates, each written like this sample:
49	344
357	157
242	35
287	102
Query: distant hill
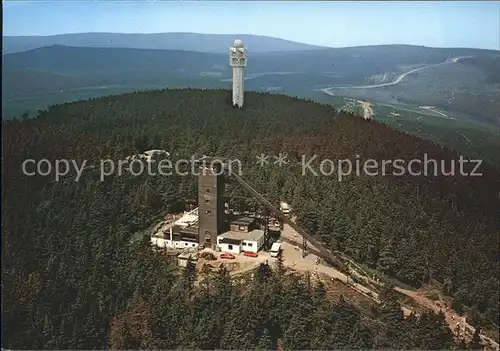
57	73
214	43
83	66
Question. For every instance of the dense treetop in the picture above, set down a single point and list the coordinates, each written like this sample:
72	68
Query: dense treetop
72	278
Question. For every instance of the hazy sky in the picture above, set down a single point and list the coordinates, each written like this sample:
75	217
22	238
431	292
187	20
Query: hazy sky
336	24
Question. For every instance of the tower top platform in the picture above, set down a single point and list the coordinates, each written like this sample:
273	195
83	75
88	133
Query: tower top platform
238	43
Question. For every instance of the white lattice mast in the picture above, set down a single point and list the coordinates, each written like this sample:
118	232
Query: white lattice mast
238	60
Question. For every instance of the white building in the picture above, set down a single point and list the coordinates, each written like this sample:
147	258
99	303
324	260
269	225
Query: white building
237	241
181	234
238	60
173	238
148	155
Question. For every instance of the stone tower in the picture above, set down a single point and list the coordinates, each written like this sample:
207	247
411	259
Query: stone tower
238	60
211	213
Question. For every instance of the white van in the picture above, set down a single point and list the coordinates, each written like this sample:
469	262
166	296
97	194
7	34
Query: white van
275	249
285	209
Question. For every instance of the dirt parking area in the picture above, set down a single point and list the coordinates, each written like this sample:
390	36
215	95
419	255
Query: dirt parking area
240	264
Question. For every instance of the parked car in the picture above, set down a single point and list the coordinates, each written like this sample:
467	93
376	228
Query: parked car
227	255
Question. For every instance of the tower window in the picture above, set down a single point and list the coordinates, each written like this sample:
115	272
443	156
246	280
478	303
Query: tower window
208	212
207	191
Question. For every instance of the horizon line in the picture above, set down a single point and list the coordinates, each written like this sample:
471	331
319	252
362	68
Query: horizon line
239	34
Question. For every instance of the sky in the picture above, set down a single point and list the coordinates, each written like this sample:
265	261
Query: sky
328	23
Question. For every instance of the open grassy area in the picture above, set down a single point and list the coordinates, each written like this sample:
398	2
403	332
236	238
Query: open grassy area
459	132
470	138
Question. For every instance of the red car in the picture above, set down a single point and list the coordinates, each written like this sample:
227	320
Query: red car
227	255
250	254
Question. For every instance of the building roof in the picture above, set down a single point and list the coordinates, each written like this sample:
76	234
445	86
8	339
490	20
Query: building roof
148	155
242	220
188	256
190	218
230	241
254	235
164	230
156	151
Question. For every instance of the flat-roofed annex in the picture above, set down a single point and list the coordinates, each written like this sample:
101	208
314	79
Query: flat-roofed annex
254	235
242	220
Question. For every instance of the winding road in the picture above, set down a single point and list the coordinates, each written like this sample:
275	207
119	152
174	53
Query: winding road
432	109
294	260
398	79
293	233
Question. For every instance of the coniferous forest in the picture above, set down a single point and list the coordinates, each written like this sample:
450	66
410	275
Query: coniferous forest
77	273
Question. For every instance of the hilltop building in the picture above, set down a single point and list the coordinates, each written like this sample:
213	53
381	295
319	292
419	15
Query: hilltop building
238	60
148	155
244	234
178	234
208	225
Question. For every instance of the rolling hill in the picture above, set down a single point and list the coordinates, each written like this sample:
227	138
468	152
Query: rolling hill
468	90
299	72
213	43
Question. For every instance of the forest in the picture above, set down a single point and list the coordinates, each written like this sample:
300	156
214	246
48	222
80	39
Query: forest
74	275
